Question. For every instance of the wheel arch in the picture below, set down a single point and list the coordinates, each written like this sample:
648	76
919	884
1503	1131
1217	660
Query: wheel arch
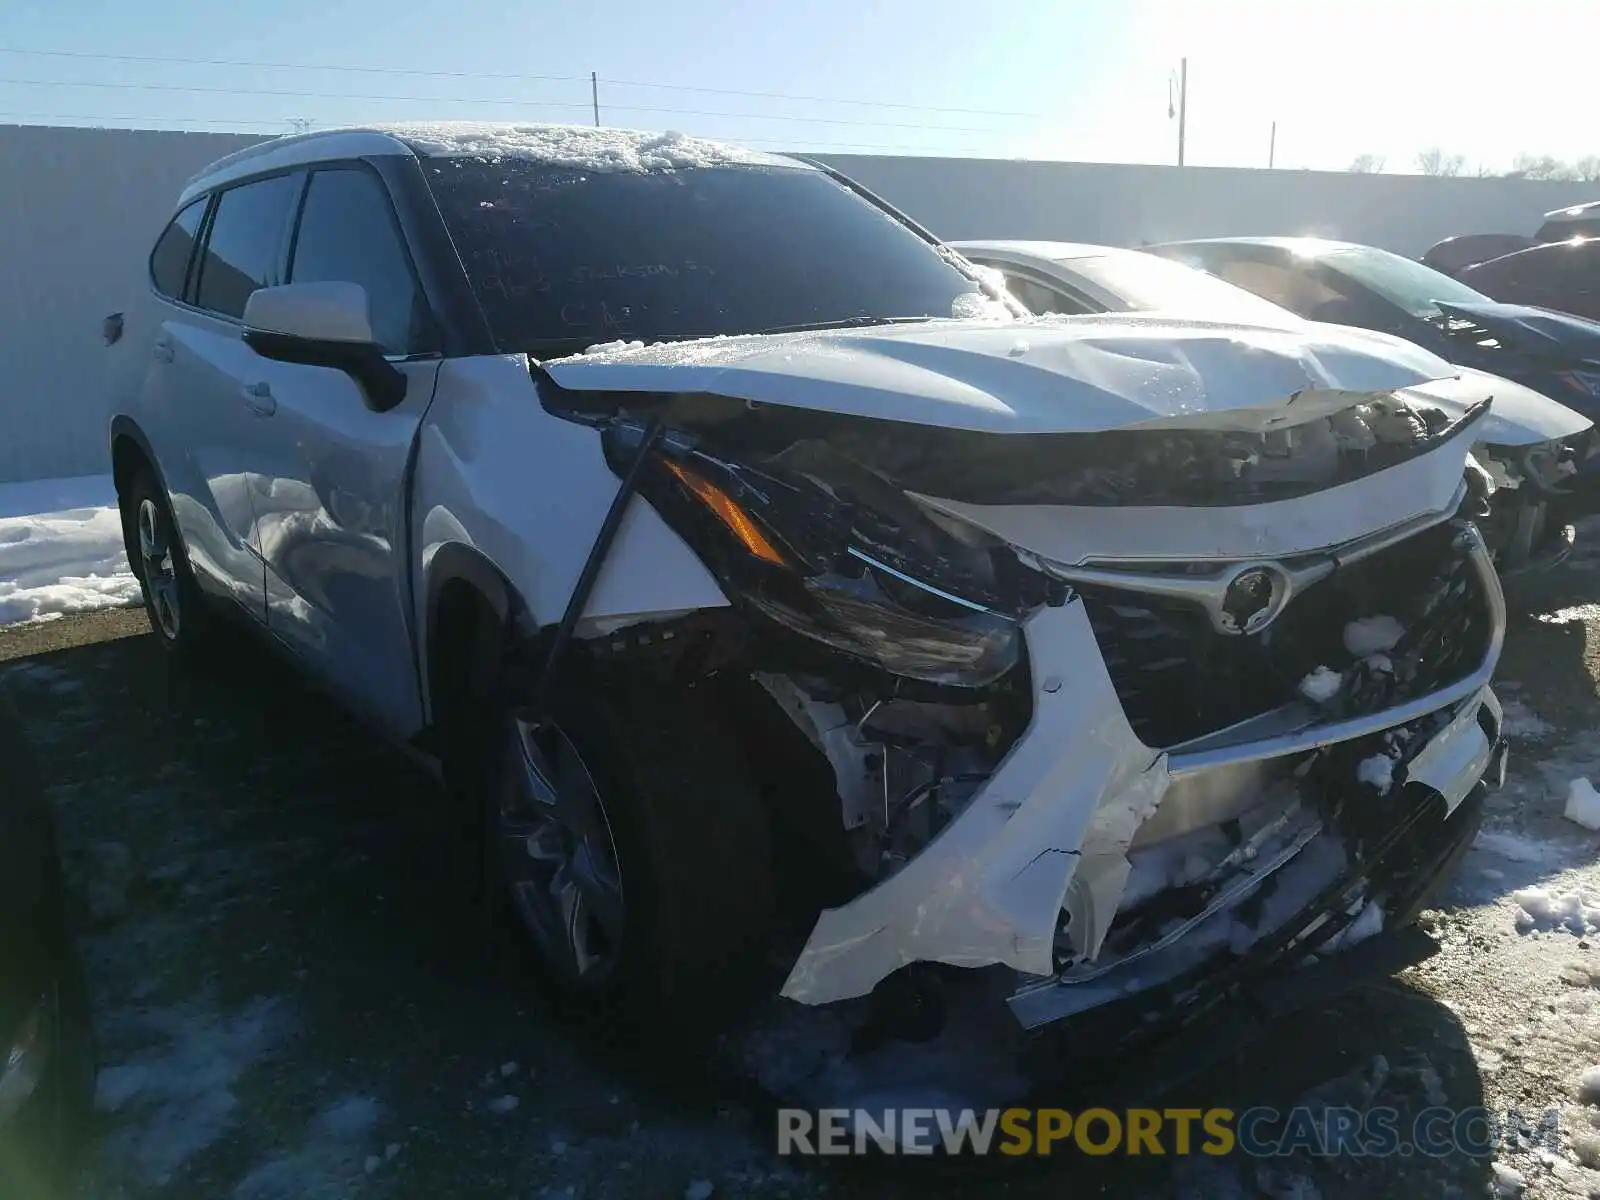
470	610
130	450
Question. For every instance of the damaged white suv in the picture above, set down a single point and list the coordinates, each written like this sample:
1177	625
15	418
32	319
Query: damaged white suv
795	607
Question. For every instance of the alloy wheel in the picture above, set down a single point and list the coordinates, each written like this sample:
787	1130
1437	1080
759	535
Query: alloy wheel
557	854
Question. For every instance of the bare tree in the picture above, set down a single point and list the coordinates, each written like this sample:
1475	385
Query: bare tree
1434	161
1540	166
1587	168
1366	164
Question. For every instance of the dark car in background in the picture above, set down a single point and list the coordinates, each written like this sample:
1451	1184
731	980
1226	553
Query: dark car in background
1557	268
1563	276
1346	284
47	1074
1524	528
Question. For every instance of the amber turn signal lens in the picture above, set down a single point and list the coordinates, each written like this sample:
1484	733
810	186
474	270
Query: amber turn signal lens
729	513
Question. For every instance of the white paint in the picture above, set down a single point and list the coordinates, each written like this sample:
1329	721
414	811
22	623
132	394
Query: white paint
334	312
1127	280
1518	415
1080	374
990	887
1073	536
487	440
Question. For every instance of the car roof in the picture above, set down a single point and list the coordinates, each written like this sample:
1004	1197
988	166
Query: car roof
587	147
1307	247
1048	251
1576	212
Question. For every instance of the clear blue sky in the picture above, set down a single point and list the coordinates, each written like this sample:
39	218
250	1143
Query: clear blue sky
1090	76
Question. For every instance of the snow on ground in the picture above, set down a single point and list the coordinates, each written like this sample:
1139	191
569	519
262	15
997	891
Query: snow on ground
171	1076
1583	804
61	549
328	1162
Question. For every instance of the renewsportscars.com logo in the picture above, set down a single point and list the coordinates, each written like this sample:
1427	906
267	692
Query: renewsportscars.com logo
1256	1132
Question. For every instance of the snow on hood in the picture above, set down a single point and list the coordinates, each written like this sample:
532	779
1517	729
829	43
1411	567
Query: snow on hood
1044	375
583	147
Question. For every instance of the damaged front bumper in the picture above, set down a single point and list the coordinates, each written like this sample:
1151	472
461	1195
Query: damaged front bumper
1033	873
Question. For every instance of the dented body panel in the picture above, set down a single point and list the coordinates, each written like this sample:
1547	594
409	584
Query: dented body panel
1049	375
1424	488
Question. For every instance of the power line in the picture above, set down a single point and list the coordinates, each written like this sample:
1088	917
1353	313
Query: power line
790	143
236	91
507	102
440	74
31	116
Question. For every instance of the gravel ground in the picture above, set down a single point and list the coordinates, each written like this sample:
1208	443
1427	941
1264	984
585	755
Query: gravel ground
296	996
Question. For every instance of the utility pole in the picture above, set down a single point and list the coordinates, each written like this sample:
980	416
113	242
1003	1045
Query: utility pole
1182	109
1272	146
594	95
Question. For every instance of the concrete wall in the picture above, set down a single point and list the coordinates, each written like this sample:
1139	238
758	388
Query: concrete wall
81	208
1120	205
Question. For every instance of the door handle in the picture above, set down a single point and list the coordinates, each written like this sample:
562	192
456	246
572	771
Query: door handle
258	399
161	351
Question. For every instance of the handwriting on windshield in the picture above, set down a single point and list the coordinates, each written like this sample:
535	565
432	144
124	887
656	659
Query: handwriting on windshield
513	277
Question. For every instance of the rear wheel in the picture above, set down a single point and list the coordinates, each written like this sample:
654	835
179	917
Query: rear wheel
171	598
628	841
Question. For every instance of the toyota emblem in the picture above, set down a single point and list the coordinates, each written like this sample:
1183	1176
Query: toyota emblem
1253	599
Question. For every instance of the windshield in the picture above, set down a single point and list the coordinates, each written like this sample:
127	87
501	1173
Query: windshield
1143	282
561	258
1402	281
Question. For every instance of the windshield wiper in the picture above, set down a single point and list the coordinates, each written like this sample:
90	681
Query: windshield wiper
858	322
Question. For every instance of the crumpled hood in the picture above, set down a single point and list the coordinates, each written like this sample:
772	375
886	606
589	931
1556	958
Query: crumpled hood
1518	416
1533	330
1045	375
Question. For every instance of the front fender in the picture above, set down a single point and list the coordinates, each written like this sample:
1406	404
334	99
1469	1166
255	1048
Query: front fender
526	493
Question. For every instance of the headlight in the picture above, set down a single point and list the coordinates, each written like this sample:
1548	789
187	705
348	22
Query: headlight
859	568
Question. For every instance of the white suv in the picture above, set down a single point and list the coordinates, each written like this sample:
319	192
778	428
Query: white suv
793	607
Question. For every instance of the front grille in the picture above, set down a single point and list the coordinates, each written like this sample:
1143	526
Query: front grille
1178	678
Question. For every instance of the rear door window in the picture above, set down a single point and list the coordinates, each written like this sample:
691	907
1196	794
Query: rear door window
245	246
348	235
169	261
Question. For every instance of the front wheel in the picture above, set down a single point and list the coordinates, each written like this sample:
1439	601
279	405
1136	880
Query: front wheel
629	841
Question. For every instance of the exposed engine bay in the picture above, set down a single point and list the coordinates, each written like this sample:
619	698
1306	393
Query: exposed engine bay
1107	774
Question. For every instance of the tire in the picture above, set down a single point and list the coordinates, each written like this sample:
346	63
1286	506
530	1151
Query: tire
172	599
38	1147
682	815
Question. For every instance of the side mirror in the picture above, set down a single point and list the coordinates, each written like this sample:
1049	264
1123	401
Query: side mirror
323	325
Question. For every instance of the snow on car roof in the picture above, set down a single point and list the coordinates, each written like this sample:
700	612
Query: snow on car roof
585	147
